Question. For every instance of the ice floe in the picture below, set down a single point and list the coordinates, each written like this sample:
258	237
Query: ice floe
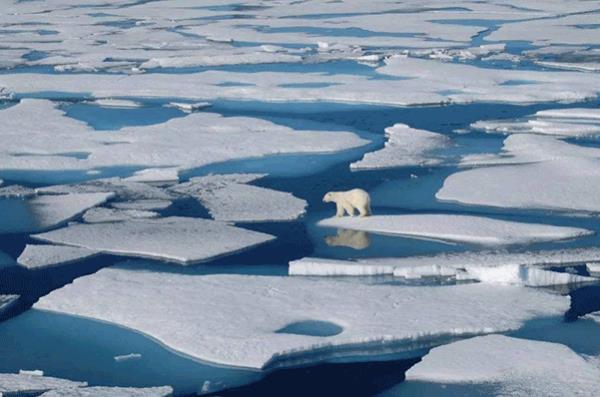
176	239
230	198
103	391
501	365
233	319
567	184
24	384
189	107
497	267
192	141
48	211
457	228
16	191
569	122
142	205
155	175
99	215
37	256
6	301
405	146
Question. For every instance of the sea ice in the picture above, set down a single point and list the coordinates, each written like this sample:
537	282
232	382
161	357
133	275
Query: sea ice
99	215
103	391
22	384
233	319
176	239
192	141
501	366
37	256
405	146
457	228
142	205
49	211
6	301
567	184
569	122
489	267
229	198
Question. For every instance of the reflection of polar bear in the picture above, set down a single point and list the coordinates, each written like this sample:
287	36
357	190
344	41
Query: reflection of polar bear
350	200
356	239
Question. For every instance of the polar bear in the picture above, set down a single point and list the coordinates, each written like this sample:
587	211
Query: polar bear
349	201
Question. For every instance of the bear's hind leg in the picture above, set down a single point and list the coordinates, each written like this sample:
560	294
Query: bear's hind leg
364	211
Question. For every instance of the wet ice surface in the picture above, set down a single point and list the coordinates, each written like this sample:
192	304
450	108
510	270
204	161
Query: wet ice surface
126	127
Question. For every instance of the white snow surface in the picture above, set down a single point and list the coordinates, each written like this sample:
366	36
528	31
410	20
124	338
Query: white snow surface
569	122
6	301
103	391
38	256
233	319
229	198
101	214
53	210
176	239
489	267
566	184
17	384
405	146
503	366
457	228
192	141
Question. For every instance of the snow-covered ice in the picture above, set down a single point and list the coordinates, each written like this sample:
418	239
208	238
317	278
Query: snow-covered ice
233	319
488	266
128	357
405	146
502	366
457	228
192	141
23	384
570	122
103	391
142	205
230	198
49	211
37	256
567	184
6	301
100	214
176	239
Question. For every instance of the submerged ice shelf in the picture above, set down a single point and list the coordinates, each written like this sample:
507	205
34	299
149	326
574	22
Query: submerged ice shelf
375	319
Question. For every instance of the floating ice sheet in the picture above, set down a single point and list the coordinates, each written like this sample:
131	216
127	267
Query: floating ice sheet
405	146
6	301
489	267
100	215
230	198
501	365
44	212
182	143
233	319
24	384
575	122
176	239
100	391
457	228
567	184
41	256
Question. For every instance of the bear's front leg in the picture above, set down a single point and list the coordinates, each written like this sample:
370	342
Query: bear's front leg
349	209
339	210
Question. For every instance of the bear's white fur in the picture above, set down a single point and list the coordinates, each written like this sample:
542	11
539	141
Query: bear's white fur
349	201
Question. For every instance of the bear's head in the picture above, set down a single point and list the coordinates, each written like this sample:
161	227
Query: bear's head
328	198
